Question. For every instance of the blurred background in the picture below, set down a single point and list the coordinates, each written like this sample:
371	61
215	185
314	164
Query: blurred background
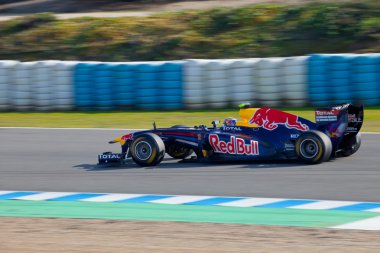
135	55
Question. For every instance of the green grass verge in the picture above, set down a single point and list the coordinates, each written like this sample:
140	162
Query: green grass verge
145	119
260	30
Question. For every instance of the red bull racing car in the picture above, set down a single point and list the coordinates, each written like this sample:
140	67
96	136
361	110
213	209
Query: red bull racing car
259	134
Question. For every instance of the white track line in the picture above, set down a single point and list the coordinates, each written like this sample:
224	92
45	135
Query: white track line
366	224
251	202
44	196
6	192
180	199
376	210
112	197
324	204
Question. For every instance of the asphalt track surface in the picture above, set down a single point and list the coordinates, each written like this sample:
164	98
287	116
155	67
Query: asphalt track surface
65	160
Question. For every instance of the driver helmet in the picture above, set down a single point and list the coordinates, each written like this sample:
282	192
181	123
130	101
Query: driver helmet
230	122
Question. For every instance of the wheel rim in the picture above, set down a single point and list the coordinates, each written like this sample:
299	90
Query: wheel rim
309	148
143	150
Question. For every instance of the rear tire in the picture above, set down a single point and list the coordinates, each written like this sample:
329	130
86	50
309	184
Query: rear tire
313	147
148	150
353	145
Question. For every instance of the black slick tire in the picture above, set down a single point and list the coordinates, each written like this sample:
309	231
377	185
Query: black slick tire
313	147
147	150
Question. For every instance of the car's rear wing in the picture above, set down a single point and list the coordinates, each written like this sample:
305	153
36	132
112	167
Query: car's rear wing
339	120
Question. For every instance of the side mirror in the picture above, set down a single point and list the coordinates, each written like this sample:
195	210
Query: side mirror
215	122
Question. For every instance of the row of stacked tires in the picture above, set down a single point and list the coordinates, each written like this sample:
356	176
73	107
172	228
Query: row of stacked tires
109	86
64	85
44	85
288	81
340	78
269	81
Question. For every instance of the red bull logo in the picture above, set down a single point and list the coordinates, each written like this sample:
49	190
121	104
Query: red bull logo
127	137
234	146
269	119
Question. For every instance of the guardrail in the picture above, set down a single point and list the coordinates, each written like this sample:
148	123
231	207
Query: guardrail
318	79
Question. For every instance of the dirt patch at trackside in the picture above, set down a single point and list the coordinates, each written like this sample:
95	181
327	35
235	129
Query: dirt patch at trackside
87	235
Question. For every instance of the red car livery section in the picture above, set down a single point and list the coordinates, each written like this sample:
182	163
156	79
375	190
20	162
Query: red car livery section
127	137
269	119
234	146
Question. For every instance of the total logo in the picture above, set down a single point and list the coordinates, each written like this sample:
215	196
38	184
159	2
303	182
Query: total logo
326	112
110	156
234	146
233	128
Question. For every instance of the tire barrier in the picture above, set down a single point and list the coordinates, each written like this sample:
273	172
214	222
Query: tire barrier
6	67
344	78
170	85
366	79
43	85
84	85
318	79
21	86
217	83
269	81
339	75
194	95
103	86
147	86
318	82
63	83
294	76
125	79
242	81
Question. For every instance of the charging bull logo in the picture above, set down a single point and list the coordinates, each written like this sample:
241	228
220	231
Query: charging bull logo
234	146
270	119
127	137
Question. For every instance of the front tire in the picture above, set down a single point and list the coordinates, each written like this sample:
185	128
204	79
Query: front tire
148	150
314	147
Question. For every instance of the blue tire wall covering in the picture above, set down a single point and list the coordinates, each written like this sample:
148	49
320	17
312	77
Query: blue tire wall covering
339	78
125	86
344	78
366	79
84	87
318	82
104	86
147	86
170	85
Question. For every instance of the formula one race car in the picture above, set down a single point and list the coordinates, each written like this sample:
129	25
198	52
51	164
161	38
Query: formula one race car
260	134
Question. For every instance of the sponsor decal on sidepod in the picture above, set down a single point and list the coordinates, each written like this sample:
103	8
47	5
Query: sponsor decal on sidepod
269	119
236	145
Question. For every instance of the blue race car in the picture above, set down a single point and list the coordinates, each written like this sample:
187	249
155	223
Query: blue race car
259	134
